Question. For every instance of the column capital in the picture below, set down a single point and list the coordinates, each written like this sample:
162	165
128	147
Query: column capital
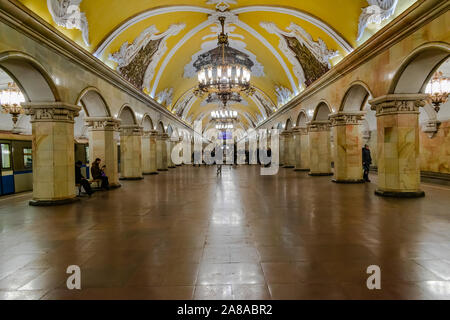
163	136
346	118
102	123
51	111
131	130
300	131
286	133
398	103
318	126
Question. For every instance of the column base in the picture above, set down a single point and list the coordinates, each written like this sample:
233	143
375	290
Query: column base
398	194
348	181
150	173
52	203
163	169
300	170
132	178
115	186
288	167
318	174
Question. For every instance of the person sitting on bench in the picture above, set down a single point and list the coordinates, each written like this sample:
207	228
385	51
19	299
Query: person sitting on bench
81	180
99	174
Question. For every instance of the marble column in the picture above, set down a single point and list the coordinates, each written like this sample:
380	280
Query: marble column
131	152
319	148
398	144
146	165
103	145
282	148
180	141
153	153
53	152
161	151
301	144
170	146
347	132
289	152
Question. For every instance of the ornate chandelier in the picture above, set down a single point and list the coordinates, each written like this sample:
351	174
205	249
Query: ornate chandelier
223	72
224	115
224	126
438	89
11	99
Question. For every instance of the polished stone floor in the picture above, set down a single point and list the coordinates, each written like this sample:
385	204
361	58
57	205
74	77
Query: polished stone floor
187	234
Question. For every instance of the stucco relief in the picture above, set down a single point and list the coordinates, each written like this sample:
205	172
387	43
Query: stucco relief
375	13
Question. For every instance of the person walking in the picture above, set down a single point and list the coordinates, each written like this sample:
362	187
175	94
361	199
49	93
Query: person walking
366	161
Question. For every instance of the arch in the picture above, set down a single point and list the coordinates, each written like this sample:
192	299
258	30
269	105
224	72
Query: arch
160	127
279	126
288	125
127	116
93	103
322	111
31	77
355	97
302	119
417	69
147	123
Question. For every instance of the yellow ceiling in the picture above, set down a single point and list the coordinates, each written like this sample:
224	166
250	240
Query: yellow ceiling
106	16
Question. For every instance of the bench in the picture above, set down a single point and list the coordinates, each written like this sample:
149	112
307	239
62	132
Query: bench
97	181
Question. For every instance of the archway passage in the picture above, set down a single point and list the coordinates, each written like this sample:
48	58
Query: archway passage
319	137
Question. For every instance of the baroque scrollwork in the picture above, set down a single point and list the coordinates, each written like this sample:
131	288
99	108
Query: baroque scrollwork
67	14
375	13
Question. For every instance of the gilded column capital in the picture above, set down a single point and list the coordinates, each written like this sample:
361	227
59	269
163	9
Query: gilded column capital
51	111
102	123
300	131
398	103
131	130
346	118
318	126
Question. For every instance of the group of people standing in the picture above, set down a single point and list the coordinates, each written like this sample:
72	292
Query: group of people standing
97	173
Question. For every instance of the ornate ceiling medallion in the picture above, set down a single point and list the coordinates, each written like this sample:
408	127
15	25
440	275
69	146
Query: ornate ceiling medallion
222	5
223	71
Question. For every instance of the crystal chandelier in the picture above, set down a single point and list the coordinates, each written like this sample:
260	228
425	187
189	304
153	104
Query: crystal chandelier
11	99
224	115
223	72
224	126
438	89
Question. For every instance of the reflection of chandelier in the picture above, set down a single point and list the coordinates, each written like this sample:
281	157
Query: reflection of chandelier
223	71
10	100
224	115
438	88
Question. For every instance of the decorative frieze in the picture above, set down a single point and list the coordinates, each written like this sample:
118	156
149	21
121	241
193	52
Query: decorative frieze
51	112
102	123
346	118
133	130
398	103
319	126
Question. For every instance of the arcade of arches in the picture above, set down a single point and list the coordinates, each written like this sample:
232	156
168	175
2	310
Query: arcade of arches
327	81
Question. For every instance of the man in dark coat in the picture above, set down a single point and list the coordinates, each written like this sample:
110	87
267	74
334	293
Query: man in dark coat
99	174
366	161
81	180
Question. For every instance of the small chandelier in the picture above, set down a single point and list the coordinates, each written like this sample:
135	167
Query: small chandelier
223	72
11	99
224	126
224	115
438	89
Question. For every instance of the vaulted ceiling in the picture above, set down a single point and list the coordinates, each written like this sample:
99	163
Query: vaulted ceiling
154	43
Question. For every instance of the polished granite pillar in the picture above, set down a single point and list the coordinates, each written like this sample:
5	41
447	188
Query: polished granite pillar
347	133
301	144
153	153
53	152
146	169
103	145
161	151
131	152
319	148
398	144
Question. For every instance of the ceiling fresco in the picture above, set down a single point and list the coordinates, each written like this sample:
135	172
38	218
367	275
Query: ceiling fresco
153	44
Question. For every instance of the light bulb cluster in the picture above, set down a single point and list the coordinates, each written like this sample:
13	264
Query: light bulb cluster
224	114
438	89
11	100
224	126
224	75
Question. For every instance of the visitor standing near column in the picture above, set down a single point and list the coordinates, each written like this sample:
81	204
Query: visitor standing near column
81	180
367	161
